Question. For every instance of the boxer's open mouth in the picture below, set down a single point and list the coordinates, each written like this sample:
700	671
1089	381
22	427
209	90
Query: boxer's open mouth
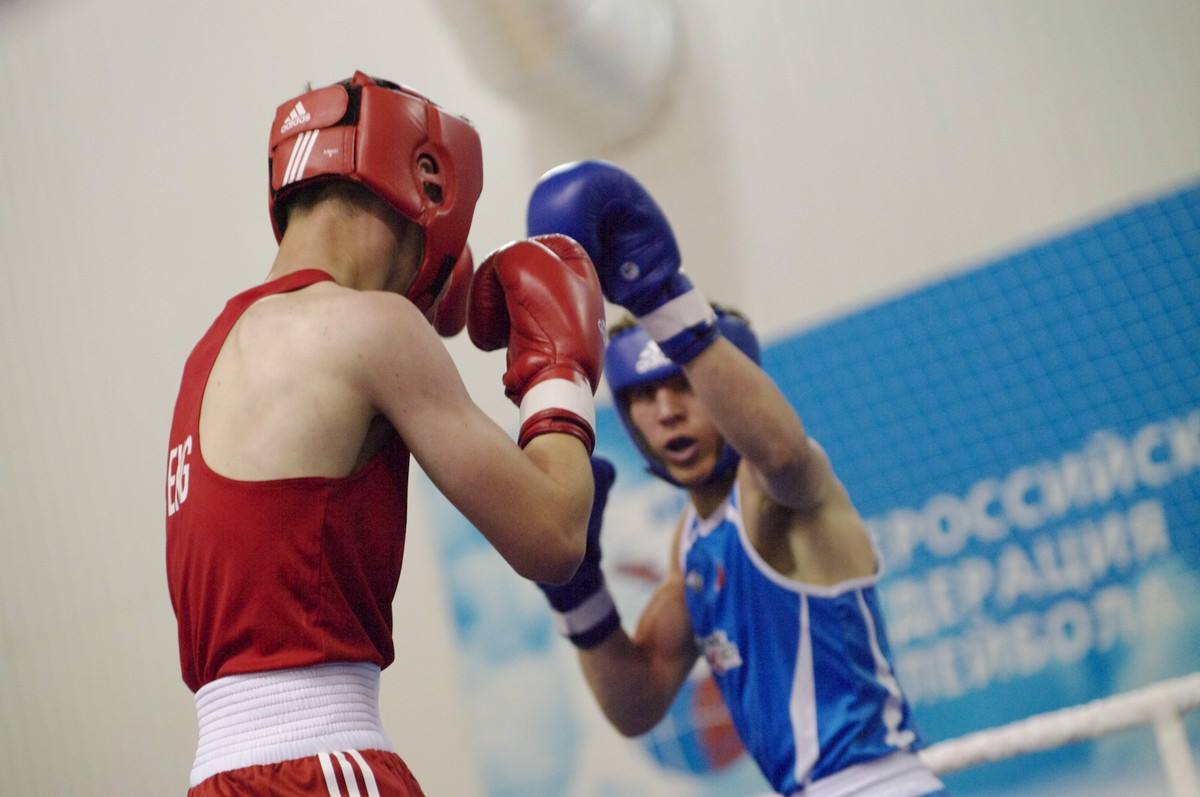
681	450
680	443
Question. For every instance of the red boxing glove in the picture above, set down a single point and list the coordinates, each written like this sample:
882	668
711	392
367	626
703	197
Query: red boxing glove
541	298
448	313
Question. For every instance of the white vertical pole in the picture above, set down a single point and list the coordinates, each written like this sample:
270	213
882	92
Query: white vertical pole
1175	754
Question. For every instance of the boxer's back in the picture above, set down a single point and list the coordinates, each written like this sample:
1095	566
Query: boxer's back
282	400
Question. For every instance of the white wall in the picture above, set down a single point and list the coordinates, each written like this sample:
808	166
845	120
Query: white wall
815	156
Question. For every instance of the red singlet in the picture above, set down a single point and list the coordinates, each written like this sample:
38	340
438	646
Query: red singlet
270	575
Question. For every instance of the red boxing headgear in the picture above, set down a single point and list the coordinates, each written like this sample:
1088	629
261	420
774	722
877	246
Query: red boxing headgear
422	160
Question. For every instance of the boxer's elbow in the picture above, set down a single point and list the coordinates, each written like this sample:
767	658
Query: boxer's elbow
568	533
560	564
797	476
556	553
631	729
634	721
784	457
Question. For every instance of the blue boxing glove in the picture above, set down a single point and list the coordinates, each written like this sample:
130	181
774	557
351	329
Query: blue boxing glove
631	244
583	610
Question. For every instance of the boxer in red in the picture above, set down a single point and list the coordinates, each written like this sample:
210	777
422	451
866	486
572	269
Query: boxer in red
289	449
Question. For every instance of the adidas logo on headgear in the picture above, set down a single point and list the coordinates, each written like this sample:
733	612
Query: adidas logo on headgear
298	116
650	357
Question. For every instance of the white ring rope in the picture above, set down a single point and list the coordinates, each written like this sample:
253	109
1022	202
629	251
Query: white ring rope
1161	704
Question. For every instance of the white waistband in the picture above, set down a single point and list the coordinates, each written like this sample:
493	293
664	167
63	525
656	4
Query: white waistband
265	718
896	775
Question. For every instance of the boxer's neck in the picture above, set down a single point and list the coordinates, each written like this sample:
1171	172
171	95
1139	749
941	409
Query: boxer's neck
365	248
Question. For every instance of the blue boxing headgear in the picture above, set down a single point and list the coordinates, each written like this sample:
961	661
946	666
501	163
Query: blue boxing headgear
633	359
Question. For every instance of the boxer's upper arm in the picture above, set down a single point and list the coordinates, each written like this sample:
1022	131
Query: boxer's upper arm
665	625
808	487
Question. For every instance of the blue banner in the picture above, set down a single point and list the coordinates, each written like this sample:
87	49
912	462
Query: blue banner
1025	442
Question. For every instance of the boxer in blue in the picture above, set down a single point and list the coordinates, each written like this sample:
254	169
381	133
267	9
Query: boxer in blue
773	573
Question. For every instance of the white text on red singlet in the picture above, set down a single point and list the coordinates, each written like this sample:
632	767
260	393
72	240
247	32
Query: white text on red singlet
177	475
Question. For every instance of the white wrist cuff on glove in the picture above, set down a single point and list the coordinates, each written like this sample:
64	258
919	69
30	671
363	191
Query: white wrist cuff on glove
561	393
684	311
586	615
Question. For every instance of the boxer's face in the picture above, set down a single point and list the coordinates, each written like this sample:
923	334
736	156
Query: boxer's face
674	424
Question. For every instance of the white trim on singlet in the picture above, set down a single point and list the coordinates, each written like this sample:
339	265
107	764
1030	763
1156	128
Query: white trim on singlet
687	537
264	718
893	707
730	509
896	775
802	705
